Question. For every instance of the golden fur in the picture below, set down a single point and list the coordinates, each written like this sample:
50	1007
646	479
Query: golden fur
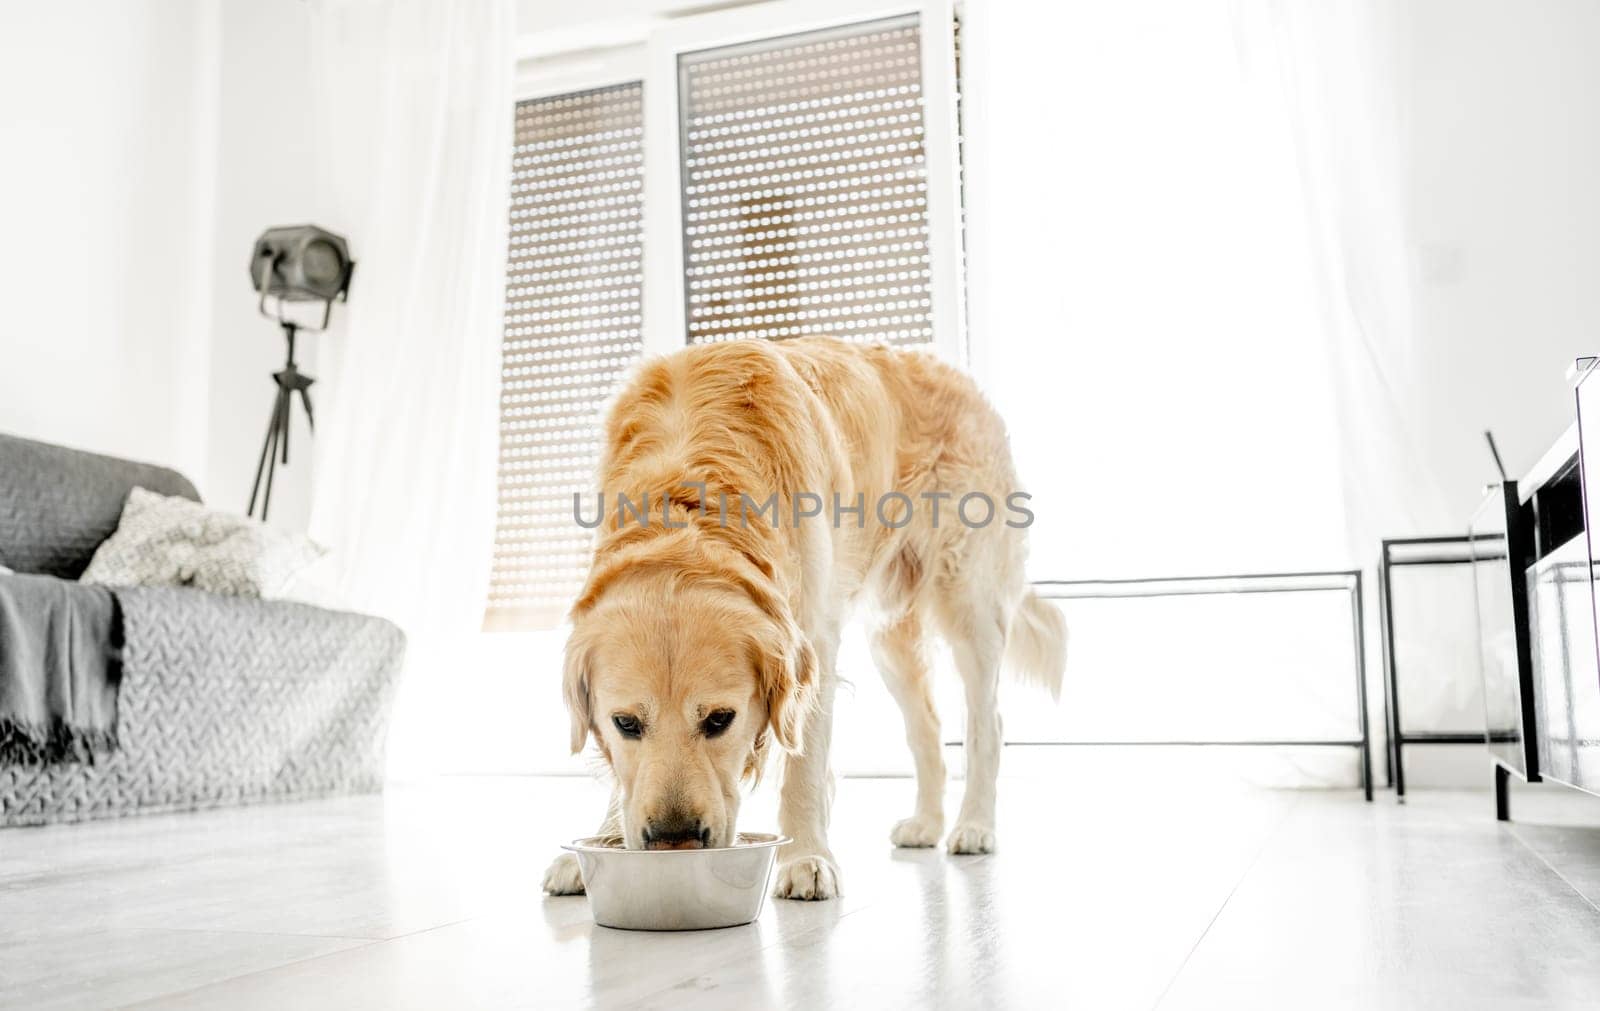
709	608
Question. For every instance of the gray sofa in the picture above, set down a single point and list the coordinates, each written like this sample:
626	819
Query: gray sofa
222	700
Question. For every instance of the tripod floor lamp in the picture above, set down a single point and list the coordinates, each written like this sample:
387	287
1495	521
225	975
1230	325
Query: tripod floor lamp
296	263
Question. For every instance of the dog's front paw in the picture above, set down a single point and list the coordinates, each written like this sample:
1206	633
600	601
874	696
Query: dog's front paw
809	878
563	876
916	833
970	837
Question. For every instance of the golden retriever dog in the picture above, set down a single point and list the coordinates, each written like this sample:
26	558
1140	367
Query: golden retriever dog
783	483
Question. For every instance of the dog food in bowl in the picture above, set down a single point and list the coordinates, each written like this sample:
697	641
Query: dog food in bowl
677	889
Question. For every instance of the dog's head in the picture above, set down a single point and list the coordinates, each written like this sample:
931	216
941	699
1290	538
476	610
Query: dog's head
684	678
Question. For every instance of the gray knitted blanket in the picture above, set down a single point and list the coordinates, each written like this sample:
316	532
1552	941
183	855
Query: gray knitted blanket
60	665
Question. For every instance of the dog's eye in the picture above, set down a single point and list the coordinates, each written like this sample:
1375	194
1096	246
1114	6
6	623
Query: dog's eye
627	726
717	722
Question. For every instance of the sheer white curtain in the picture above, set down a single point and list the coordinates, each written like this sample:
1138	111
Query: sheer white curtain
415	120
1192	296
1145	315
1148	304
1336	67
1188	218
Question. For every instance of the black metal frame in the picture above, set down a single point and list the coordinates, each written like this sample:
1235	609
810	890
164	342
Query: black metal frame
1350	581
1518	555
1394	754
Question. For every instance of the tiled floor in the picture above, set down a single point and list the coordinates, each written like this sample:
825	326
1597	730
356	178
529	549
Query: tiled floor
1104	895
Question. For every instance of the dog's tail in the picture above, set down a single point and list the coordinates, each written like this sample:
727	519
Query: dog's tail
1036	649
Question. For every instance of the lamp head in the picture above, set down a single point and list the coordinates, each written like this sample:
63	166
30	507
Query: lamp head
301	263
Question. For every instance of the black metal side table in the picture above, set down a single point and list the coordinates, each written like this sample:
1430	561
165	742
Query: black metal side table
1398	552
1348	582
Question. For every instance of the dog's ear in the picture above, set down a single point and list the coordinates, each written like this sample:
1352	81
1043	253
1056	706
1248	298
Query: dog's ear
785	659
575	688
788	681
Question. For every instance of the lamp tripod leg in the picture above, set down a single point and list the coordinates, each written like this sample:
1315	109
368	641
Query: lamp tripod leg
268	450
280	421
286	393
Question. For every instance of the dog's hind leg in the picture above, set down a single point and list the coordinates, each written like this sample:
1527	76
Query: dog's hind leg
562	877
899	651
976	631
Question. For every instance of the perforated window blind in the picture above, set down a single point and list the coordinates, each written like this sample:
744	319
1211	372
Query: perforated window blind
805	193
572	326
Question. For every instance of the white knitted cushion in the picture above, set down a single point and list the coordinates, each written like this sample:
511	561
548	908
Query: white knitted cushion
162	541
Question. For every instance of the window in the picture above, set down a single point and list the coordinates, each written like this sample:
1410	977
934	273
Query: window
788	175
805	198
574	307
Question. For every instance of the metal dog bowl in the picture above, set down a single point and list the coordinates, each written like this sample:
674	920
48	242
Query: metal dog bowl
677	889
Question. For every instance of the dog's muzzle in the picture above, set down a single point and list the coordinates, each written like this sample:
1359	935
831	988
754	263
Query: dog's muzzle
677	832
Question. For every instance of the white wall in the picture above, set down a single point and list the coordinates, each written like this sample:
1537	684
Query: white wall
1501	105
147	145
107	129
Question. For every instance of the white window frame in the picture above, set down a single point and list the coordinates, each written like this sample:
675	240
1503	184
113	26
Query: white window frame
665	313
564	74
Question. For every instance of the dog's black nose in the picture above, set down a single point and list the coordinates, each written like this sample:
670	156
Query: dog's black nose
676	831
